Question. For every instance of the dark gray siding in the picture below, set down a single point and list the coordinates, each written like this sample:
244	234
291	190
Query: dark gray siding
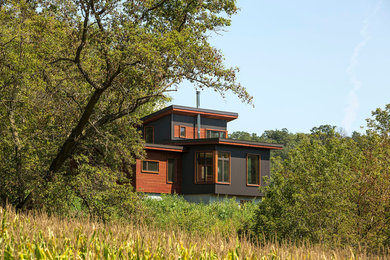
188	172
162	129
238	184
213	123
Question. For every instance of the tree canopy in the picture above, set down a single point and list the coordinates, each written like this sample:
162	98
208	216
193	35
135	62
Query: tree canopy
76	76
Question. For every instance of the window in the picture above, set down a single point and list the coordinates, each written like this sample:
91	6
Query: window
150	166
204	167
224	167
171	168
253	169
183	131
149	134
215	134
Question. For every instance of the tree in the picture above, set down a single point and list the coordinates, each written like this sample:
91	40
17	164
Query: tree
331	189
99	65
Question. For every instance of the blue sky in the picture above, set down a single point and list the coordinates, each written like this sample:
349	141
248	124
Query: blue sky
306	63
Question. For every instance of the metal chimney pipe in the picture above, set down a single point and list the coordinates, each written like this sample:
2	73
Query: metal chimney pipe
197	106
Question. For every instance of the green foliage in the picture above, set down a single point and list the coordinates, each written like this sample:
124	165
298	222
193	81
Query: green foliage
331	189
76	76
224	217
283	136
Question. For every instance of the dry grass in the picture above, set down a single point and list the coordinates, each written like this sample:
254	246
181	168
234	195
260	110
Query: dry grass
38	236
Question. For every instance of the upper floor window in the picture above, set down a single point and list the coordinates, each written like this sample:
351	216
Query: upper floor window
204	167
253	169
150	166
224	167
215	134
183	131
149	134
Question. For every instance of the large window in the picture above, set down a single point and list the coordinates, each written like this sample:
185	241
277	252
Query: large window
148	134
171	170
253	169
224	167
215	134
204	167
150	166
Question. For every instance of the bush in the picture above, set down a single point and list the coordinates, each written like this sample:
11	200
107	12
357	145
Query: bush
173	212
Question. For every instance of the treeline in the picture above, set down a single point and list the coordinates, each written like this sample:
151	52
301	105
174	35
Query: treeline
326	187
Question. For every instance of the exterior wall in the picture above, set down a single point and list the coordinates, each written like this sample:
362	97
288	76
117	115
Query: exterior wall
238	179
157	182
188	172
162	129
190	122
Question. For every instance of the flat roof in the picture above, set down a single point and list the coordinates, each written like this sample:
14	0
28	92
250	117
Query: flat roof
226	142
192	111
164	147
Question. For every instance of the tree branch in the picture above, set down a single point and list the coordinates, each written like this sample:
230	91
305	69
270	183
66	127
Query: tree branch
152	8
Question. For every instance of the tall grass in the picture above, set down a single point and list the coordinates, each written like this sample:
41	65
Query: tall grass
36	235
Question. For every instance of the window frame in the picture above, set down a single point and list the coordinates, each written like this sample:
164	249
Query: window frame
174	170
185	131
152	133
213	152
259	169
230	168
216	130
146	171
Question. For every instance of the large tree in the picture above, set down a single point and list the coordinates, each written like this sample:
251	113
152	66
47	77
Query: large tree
90	68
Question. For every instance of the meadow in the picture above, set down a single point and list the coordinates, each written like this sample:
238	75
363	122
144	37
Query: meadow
36	235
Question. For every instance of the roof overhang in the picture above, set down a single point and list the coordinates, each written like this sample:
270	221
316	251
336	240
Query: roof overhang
190	111
222	141
164	147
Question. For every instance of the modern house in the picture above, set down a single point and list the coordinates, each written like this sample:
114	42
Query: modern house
189	153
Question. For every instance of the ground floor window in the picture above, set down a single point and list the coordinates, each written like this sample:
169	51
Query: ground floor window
171	170
253	169
150	166
224	167
204	167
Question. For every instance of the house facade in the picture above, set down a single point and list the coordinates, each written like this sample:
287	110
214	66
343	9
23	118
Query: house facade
189	153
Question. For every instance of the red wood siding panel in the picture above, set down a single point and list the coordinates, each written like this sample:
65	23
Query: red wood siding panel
157	183
176	131
203	133
190	133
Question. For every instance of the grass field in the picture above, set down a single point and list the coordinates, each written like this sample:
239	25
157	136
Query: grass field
38	236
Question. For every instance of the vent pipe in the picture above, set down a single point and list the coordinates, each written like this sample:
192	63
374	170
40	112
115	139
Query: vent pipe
197	106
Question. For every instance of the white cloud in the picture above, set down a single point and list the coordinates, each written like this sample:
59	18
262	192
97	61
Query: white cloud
350	111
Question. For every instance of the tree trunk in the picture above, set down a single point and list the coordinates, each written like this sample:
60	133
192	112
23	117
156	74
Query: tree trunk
70	143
